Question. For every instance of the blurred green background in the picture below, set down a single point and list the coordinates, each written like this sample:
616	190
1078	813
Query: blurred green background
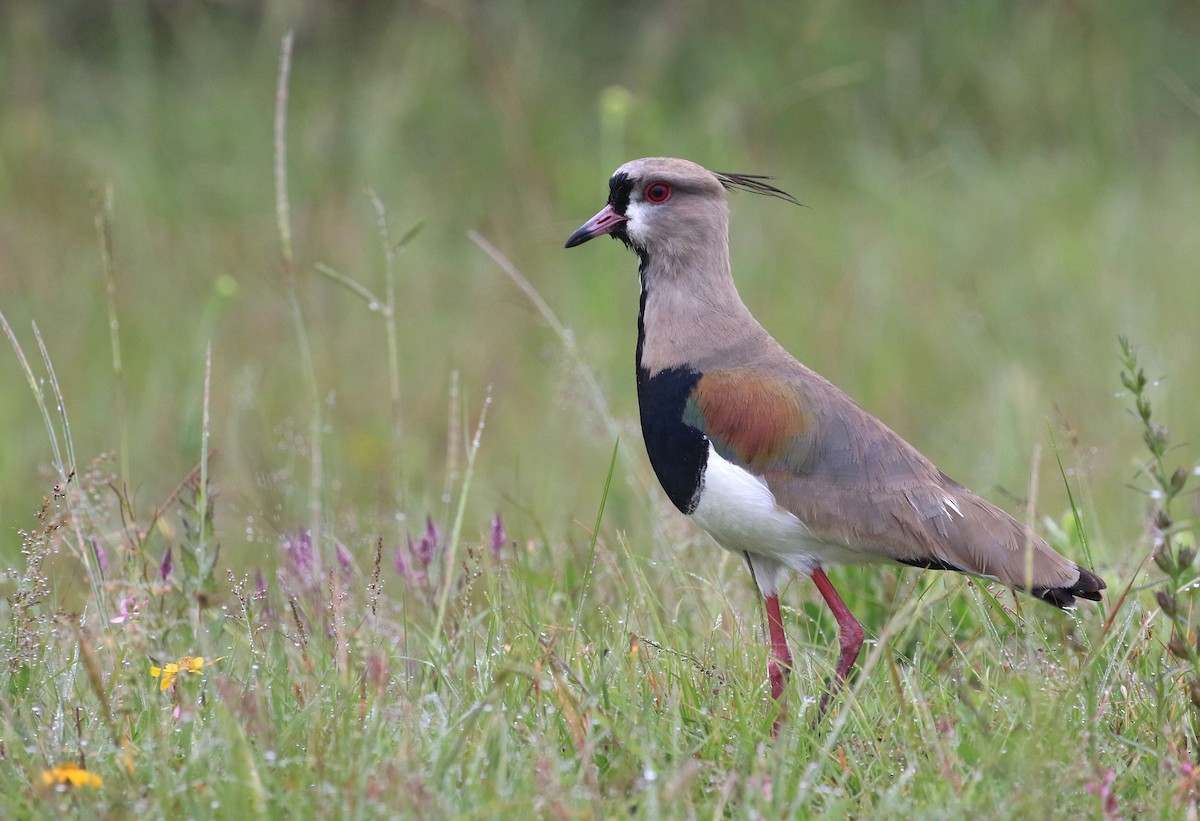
994	192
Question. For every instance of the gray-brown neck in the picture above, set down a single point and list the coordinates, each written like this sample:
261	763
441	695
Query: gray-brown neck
691	313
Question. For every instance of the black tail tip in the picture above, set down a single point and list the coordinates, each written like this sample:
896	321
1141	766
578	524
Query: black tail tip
1088	587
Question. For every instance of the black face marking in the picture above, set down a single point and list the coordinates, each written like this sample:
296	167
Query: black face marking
678	452
620	189
929	564
619	233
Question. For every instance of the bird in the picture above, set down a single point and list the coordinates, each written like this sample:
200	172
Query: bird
777	464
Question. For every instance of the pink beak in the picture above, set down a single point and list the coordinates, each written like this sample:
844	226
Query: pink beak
602	223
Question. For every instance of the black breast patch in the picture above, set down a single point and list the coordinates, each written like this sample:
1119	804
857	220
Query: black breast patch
678	452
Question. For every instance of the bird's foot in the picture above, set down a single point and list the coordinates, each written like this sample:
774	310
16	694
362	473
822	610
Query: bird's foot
777	674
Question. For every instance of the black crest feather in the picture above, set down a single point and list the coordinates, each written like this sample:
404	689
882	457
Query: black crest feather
755	184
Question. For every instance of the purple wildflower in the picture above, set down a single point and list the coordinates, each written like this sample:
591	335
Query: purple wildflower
499	536
430	539
167	566
343	558
401	564
127	608
1108	796
299	552
101	556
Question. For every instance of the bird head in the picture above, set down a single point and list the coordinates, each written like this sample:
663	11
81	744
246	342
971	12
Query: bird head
659	202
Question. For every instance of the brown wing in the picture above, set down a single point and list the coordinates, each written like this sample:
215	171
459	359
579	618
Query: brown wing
855	483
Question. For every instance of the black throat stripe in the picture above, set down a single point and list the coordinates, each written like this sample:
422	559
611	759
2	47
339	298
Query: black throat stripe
678	452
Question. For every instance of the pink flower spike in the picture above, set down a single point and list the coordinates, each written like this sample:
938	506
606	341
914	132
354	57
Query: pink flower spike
431	531
1104	789
424	549
101	555
499	536
343	558
299	551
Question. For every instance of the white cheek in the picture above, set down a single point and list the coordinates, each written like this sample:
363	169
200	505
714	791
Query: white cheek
638	220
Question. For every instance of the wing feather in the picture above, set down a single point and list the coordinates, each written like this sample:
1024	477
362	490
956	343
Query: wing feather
857	484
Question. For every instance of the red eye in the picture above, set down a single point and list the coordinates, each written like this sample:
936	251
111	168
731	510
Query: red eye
657	192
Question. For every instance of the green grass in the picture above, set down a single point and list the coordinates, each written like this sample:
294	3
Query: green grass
994	193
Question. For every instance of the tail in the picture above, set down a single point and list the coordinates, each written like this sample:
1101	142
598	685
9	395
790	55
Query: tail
1088	586
985	541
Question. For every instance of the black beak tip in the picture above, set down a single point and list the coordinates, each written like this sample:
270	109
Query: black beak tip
578	238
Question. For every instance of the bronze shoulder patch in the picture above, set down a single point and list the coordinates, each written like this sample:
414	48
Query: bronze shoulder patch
749	414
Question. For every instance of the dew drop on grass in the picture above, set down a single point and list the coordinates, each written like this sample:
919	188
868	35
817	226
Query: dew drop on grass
649	774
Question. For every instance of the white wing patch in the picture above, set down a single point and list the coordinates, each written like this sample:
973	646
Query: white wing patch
948	505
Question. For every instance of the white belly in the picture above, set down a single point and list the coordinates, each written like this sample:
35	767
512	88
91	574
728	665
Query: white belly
741	514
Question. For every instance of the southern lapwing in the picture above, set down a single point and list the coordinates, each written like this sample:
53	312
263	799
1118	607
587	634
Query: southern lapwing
771	459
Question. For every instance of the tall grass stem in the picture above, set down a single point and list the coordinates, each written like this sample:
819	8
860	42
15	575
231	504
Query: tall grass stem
456	530
283	219
104	226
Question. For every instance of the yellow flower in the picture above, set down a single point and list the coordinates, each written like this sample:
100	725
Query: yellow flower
68	775
167	673
187	664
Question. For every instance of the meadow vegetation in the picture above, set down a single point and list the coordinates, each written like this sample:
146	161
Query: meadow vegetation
321	490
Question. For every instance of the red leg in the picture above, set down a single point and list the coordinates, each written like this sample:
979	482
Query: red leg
780	665
851	632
